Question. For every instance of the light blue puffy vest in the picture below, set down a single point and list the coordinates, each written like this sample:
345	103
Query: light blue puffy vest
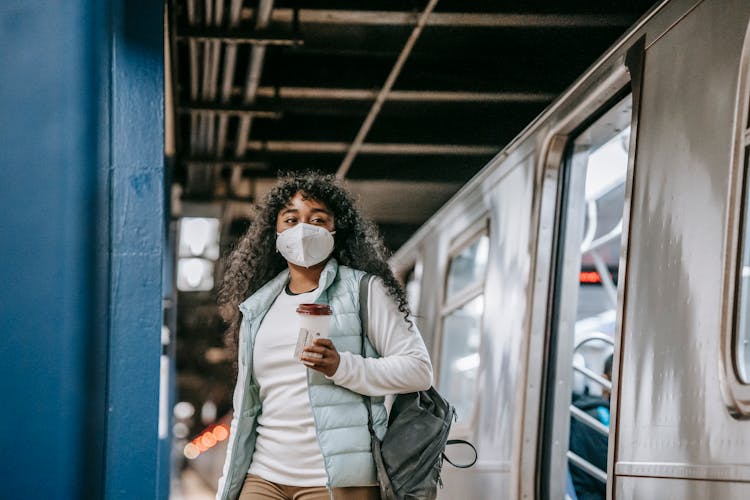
340	414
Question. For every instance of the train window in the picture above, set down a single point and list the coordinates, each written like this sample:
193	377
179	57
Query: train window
585	307
462	322
469	266
459	360
742	314
736	301
413	286
742	336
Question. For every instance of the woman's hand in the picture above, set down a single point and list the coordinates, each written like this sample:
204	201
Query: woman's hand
328	363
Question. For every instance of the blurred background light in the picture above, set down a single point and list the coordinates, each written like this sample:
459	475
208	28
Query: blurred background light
180	430
199	237
184	410
191	451
221	432
195	275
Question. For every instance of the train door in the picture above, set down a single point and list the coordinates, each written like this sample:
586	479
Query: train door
575	424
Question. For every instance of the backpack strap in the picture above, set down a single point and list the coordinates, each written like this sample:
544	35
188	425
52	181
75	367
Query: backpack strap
461	441
364	292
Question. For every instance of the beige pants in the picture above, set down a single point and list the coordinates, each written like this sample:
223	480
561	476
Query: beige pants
257	488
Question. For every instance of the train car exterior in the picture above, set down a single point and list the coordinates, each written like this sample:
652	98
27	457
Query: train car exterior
615	223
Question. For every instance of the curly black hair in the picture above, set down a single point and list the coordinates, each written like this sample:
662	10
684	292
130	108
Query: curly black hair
254	260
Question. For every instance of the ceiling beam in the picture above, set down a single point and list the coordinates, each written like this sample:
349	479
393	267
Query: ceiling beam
258	111
403	95
256	37
371	148
467	20
358	141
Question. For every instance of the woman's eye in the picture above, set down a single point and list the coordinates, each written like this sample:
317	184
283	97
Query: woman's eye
291	220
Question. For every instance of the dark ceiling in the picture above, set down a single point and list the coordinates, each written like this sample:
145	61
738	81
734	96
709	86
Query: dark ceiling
405	106
379	92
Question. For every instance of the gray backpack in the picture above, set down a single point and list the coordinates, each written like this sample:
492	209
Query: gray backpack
410	456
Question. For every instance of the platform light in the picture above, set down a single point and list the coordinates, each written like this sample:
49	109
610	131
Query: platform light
195	274
199	237
221	432
208	440
184	410
191	451
180	430
208	412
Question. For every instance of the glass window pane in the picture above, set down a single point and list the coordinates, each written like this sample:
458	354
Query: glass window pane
469	266
459	358
742	339
413	287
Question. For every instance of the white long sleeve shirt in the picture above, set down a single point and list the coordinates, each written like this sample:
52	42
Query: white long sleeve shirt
286	450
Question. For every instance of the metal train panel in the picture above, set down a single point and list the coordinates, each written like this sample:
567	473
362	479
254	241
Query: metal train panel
504	322
671	420
670	406
650	488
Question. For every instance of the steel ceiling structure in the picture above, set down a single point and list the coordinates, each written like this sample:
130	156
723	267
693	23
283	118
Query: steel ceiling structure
389	94
404	100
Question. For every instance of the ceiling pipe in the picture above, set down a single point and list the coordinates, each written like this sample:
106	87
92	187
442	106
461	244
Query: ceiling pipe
380	99
452	19
371	148
230	62
253	76
193	65
313	93
259	38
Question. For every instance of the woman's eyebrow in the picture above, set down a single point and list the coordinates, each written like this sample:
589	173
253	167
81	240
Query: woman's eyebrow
288	210
327	212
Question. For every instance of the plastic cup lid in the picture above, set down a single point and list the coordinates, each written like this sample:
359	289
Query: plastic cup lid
315	309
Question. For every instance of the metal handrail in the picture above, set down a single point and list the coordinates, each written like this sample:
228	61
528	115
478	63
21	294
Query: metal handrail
593	376
591	214
596	336
602	240
588	467
609	286
588	420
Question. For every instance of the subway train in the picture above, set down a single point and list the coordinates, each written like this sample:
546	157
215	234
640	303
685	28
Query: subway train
615	224
613	231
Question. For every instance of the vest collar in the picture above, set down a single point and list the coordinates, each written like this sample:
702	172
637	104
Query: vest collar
265	295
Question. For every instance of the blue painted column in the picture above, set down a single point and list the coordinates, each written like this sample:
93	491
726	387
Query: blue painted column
50	145
81	243
136	247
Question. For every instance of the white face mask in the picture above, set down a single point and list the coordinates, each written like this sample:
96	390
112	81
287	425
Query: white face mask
305	244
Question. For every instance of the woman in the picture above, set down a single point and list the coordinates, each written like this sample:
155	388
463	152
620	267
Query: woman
299	429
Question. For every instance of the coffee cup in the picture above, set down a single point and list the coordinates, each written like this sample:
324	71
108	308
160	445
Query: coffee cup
314	323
